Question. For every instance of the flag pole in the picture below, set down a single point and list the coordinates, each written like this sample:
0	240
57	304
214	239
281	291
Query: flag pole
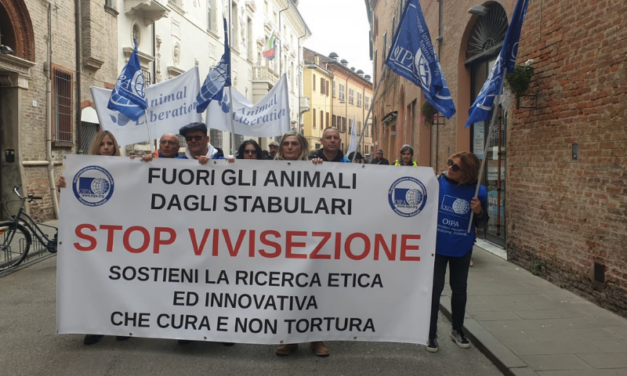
495	105
231	79
376	91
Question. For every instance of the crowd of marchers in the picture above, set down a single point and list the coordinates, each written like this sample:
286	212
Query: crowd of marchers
452	248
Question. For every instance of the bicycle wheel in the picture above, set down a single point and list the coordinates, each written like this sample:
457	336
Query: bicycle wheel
15	241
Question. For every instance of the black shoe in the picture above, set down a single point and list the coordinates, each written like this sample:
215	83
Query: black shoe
183	342
122	338
432	345
460	339
90	339
228	344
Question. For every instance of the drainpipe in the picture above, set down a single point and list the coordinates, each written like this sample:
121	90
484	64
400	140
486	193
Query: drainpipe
281	37
440	40
300	79
53	193
79	67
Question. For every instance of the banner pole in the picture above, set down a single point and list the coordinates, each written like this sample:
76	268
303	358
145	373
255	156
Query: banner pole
152	150
485	147
230	86
374	96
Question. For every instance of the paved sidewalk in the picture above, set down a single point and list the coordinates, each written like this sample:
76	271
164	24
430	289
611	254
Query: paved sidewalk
528	326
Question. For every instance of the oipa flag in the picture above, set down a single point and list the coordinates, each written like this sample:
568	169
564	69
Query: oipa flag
125	130
412	56
505	63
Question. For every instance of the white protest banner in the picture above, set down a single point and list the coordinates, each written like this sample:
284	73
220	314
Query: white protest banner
250	252
269	117
125	130
172	103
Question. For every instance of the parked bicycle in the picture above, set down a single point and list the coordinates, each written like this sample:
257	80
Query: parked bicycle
16	235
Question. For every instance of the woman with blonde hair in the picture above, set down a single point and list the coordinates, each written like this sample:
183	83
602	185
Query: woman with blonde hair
104	144
293	147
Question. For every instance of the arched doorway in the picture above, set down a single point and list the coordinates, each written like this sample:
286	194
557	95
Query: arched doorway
484	44
16	60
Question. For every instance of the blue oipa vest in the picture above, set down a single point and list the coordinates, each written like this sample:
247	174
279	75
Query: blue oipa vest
453	216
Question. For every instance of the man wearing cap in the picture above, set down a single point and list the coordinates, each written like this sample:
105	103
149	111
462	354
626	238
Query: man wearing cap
378	159
274	148
198	146
330	151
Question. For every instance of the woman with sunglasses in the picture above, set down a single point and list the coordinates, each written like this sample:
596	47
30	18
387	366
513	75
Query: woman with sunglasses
249	150
407	157
454	243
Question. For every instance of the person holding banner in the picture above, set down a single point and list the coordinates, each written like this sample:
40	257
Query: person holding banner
330	151
104	144
294	147
198	146
454	243
249	150
407	157
168	146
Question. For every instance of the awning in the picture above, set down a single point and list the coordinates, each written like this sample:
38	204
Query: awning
89	115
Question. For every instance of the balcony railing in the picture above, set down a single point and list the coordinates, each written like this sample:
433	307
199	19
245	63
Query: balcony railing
263	73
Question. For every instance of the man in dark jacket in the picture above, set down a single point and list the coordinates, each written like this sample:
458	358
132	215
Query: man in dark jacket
378	159
331	143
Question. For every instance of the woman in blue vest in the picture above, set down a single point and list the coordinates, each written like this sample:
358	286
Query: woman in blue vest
454	242
407	157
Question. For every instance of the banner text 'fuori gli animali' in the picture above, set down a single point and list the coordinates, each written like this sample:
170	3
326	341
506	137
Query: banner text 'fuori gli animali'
249	252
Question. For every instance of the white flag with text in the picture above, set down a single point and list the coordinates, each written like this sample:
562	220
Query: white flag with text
269	117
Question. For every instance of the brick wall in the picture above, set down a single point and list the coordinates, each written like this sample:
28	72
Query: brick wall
100	35
565	215
562	215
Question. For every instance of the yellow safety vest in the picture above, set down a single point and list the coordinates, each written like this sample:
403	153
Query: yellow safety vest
397	163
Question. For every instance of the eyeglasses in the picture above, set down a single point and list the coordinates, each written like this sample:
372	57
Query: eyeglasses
250	151
193	138
453	166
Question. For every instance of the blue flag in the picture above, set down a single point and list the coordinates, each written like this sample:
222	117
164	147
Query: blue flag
217	79
505	63
128	96
412	56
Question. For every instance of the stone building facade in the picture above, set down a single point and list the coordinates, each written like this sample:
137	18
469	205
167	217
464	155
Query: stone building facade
557	161
57	50
176	35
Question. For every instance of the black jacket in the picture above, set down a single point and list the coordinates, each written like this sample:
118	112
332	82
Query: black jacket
338	158
381	161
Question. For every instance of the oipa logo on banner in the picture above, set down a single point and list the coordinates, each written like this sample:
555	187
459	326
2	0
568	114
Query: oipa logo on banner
93	186
454	205
407	196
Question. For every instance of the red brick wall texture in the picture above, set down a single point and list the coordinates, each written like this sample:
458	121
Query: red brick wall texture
563	216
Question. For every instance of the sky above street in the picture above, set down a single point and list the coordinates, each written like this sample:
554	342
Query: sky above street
339	26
